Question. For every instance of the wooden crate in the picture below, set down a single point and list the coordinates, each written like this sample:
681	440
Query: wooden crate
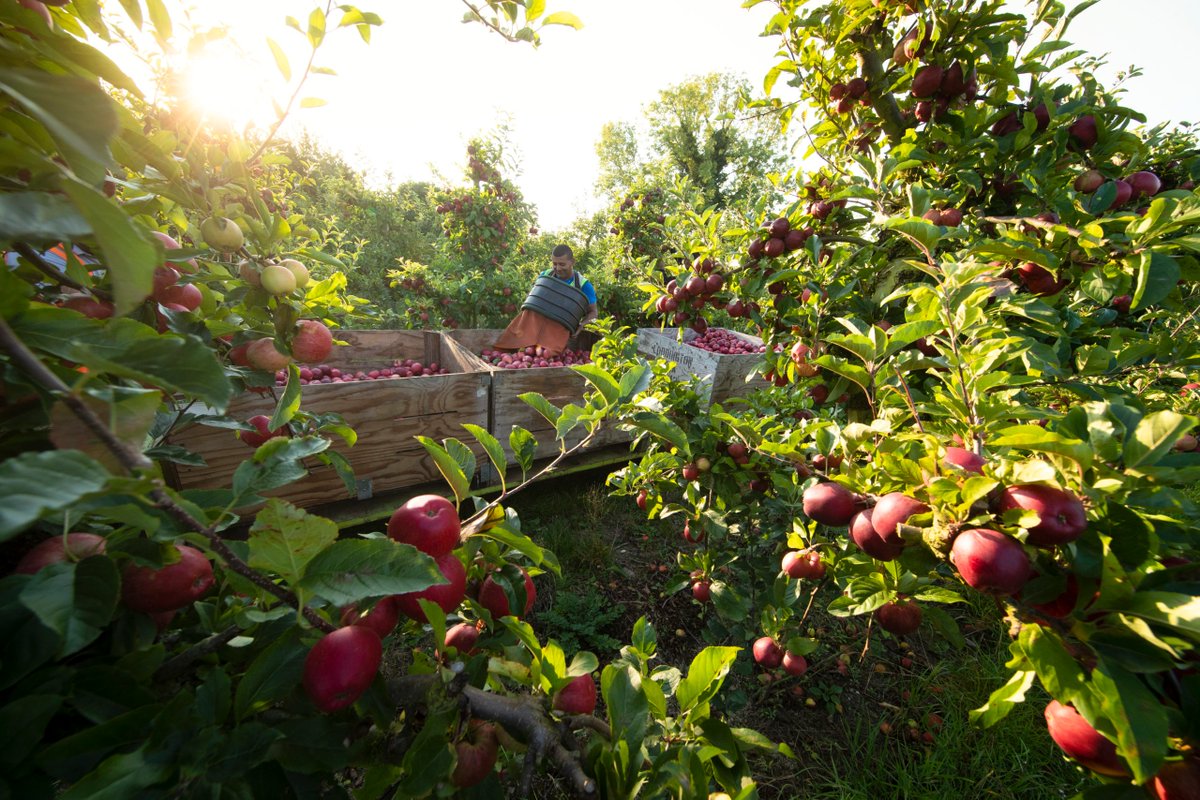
723	376
386	415
559	385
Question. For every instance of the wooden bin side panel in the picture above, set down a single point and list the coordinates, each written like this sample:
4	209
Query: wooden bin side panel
723	376
387	415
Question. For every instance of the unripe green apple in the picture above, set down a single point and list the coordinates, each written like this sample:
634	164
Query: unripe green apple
298	269
221	233
278	280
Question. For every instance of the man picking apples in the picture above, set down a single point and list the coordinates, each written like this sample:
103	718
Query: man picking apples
561	302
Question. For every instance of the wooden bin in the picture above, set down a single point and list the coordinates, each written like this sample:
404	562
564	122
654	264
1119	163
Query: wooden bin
723	376
386	414
559	385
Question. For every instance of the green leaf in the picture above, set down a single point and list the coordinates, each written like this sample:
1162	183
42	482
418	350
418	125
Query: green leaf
130	258
584	663
40	218
534	9
160	19
564	18
705	675
35	483
316	27
543	406
77	113
626	702
245	748
491	445
1035	438
1139	718
524	447
663	428
1154	437
275	464
605	383
449	467
522	544
289	401
119	777
1003	699
1178	611
75	600
354	569
1157	275
313	102
636	381
283	539
22	723
281	61
129	349
273	675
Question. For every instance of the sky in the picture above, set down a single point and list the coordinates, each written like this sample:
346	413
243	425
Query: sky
404	107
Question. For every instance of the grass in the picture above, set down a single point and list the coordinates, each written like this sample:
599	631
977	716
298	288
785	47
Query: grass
611	556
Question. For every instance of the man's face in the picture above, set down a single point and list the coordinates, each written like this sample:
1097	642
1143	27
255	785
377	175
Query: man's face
564	266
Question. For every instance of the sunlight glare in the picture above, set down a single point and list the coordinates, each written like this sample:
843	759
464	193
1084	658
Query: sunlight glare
224	87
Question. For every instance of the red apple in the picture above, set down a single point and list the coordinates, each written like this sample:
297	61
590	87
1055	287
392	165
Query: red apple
830	503
382	617
72	547
767	652
577	697
493	598
1079	740
261	354
702	591
447	595
900	618
794	663
1083	131
1144	184
428	522
802	565
183	294
1062	518
964	459
341	666
1089	181
169	587
475	754
312	343
1177	780
462	637
893	510
863	533
641	499
90	306
990	562
264	433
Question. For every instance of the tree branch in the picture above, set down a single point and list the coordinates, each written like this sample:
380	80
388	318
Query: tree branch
882	101
524	716
179	663
58	276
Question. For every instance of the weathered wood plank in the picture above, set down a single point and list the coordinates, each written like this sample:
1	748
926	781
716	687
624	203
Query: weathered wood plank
723	376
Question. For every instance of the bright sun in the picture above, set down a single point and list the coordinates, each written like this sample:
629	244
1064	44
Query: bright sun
223	86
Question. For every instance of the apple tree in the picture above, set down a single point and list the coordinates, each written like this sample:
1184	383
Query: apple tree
979	314
220	642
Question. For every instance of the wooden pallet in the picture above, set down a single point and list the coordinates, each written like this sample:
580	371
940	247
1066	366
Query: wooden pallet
722	376
387	415
559	385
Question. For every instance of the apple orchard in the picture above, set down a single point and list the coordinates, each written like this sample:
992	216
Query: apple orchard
976	384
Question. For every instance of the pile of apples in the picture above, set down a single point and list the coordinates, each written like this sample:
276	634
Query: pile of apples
535	358
720	340
408	368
